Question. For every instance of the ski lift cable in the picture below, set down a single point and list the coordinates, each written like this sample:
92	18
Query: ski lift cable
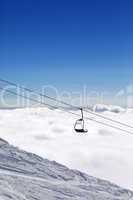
111	126
40	102
62	108
107	118
64	103
40	94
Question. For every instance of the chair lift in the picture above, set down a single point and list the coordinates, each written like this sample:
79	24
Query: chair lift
79	124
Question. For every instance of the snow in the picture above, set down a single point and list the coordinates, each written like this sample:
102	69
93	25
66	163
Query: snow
103	152
26	176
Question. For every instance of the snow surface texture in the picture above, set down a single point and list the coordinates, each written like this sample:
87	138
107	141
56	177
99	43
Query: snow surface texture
103	152
26	176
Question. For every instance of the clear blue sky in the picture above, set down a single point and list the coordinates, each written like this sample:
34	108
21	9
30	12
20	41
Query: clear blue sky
67	43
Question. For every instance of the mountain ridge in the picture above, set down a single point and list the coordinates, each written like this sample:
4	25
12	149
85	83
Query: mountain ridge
30	177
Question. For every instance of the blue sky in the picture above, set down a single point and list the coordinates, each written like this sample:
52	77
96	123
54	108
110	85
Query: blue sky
67	43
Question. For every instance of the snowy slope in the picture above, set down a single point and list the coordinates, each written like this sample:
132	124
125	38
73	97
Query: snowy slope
26	176
102	152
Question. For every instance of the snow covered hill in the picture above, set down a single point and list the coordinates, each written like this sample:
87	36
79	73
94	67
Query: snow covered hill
26	176
103	152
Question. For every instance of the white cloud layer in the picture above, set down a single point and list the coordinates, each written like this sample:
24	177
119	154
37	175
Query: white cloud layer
102	152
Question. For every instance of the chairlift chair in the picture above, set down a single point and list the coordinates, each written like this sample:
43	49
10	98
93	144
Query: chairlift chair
79	124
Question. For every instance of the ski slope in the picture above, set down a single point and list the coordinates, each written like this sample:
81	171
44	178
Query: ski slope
25	176
103	152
